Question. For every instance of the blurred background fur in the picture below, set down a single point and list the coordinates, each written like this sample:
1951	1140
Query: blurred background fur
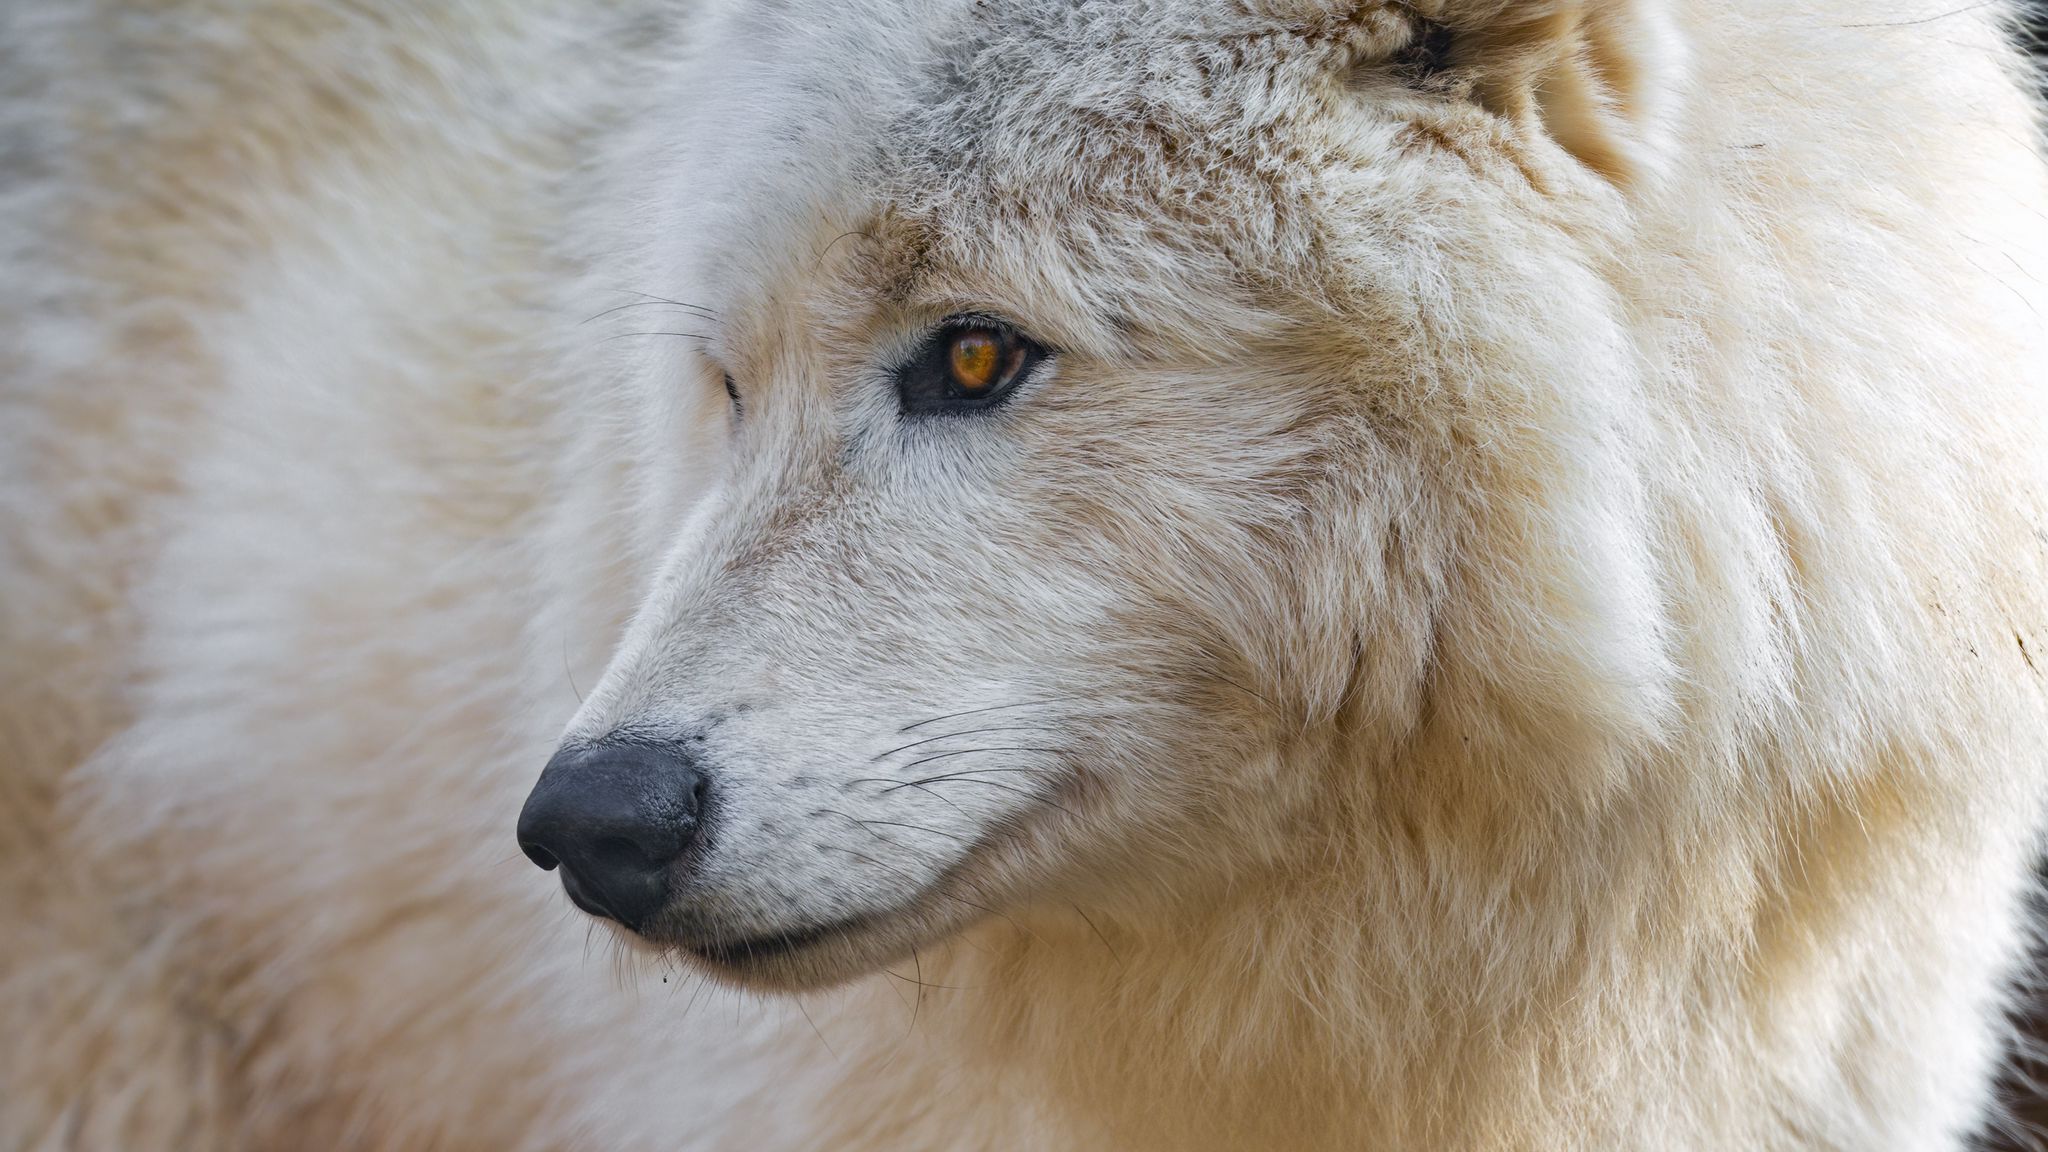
2026	1086
2026	1081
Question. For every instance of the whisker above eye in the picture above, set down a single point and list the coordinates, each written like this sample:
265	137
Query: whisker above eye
652	298
689	335
693	309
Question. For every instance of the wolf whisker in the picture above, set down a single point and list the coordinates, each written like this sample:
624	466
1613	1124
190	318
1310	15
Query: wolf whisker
911	827
685	335
997	708
799	1002
835	243
1085	919
868	826
968	732
972	751
893	780
695	309
965	772
972	776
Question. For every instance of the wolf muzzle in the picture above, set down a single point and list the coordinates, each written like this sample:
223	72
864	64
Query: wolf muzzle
616	819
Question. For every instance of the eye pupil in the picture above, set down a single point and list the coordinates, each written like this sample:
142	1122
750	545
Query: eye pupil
975	356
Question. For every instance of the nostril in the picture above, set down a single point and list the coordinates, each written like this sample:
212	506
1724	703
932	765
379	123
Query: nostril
539	855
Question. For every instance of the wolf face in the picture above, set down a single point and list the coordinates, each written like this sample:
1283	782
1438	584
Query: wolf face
1090	451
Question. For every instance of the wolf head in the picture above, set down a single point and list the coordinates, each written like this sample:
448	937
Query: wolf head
1121	427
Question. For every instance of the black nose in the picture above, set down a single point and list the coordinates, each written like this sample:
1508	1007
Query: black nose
615	818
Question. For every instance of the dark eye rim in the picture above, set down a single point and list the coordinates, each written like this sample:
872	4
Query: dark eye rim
924	385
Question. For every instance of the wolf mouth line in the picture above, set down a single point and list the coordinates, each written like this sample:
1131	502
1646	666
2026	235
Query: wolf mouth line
774	945
746	954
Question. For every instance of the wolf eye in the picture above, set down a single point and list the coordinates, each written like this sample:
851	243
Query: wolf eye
732	392
967	365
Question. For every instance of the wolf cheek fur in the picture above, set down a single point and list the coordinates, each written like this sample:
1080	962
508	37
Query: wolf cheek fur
1500	620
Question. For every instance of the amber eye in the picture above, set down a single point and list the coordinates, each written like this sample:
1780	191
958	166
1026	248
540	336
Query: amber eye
975	355
968	364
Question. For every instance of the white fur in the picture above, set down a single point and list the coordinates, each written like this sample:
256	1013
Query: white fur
1510	619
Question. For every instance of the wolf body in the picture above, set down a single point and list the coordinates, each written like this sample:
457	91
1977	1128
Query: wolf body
1509	614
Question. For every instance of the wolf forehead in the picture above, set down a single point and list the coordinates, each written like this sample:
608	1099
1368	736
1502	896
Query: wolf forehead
1157	127
1126	95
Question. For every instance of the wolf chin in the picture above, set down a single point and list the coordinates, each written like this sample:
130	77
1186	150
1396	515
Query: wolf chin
1201	574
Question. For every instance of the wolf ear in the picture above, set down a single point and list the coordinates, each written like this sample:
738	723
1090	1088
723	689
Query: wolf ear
1600	77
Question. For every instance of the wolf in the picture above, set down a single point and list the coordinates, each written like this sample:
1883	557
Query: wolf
1173	574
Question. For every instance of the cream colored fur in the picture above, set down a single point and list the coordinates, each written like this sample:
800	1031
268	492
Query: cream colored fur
1532	575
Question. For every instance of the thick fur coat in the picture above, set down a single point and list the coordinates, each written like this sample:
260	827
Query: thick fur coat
1512	615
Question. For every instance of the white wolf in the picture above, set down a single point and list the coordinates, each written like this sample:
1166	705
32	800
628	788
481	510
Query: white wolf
1177	574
